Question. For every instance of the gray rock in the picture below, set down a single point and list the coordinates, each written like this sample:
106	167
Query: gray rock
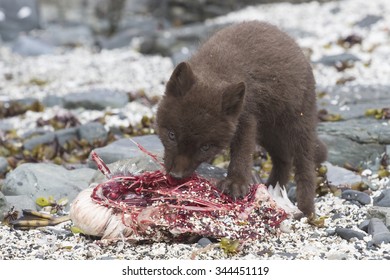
203	242
378	230
68	35
368	20
137	27
3	165
347	234
125	148
67	134
17	17
292	193
364	225
96	99
47	138
52	100
357	196
332	60
29	46
20	202
134	165
4	206
342	150
339	176
382	213
383	199
42	179
93	132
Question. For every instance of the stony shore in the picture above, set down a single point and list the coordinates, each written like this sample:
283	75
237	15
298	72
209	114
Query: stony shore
58	103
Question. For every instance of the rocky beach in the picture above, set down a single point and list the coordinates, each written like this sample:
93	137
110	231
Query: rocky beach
67	88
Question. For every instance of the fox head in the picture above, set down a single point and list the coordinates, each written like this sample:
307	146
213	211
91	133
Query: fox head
196	119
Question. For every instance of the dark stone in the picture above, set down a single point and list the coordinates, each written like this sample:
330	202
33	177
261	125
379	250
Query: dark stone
17	17
383	199
357	196
203	242
337	216
368	20
364	225
378	230
96	99
347	234
93	132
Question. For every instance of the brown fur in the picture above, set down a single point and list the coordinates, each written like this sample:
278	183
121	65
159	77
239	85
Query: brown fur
248	84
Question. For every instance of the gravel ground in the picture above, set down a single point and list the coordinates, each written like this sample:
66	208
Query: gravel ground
321	26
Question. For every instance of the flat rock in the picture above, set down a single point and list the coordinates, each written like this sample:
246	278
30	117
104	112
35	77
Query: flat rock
347	234
383	199
125	148
368	20
29	46
332	60
339	176
93	132
46	138
96	99
356	196
43	180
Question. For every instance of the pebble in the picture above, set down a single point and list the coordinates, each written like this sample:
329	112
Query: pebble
383	199
378	230
203	242
382	213
347	234
356	196
364	225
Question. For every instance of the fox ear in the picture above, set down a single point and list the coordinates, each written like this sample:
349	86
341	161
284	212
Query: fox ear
180	81
233	99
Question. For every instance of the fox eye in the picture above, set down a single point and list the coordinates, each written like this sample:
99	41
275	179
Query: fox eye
171	135
205	147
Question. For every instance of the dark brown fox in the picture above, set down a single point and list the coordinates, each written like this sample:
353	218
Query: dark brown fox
248	84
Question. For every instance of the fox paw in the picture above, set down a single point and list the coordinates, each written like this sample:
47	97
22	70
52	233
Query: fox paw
233	188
